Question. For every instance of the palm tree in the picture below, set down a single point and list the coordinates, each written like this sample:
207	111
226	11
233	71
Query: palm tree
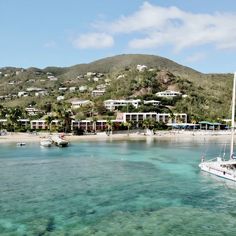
109	126
94	124
149	123
128	124
64	114
13	116
49	120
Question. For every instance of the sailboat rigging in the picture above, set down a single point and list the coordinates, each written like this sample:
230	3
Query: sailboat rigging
219	166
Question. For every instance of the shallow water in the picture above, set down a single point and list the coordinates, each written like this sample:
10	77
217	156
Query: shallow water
113	188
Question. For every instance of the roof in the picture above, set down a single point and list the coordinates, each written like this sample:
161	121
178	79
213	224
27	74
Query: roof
209	123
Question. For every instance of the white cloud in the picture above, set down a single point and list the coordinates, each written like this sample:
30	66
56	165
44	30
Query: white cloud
157	26
93	41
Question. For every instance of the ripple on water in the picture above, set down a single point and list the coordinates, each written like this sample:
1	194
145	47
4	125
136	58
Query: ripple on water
115	188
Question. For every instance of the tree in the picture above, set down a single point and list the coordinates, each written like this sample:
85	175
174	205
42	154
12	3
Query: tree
49	120
109	126
128	124
13	116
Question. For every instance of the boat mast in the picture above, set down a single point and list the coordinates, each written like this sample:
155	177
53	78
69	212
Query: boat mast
232	119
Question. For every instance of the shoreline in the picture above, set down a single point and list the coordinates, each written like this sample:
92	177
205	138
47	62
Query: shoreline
160	135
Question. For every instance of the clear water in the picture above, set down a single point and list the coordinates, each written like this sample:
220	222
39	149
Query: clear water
113	188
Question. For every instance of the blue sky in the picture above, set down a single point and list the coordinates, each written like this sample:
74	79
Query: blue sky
198	33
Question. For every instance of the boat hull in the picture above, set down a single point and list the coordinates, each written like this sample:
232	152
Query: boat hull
59	141
46	143
216	170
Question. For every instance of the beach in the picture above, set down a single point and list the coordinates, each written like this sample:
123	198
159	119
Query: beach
182	135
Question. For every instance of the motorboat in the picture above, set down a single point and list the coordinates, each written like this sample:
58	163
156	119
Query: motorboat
59	140
46	142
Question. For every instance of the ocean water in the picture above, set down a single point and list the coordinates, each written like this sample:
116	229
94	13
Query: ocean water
147	187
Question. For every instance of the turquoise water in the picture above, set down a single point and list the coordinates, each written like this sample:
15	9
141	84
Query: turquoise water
113	188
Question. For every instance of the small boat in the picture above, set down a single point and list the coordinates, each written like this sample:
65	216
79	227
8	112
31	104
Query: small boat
47	142
20	144
59	140
219	166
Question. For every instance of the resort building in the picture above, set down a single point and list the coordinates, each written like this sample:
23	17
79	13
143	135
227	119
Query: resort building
38	124
112	105
3	122
24	123
99	125
159	117
168	93
42	124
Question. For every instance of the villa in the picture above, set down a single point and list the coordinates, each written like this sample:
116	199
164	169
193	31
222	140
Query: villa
79	103
112	105
168	93
96	93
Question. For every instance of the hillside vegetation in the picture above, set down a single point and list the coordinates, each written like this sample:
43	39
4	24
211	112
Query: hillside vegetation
208	95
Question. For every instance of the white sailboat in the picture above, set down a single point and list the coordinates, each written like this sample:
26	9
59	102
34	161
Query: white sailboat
219	166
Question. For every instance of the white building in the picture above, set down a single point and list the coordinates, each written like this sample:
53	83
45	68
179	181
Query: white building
34	89
96	93
59	98
168	93
159	117
83	88
72	89
152	102
22	94
141	68
114	104
31	111
78	103
42	124
41	93
62	89
52	78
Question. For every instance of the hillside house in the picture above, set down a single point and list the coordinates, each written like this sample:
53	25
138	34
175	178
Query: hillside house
96	93
141	68
22	94
168	93
83	88
31	111
112	105
79	103
152	102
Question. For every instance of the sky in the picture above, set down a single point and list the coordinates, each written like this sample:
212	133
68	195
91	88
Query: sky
200	34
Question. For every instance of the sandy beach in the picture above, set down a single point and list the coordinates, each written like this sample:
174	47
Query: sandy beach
180	135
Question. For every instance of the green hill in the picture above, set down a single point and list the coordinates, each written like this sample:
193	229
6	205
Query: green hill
208	95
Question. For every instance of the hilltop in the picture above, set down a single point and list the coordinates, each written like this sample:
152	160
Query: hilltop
208	95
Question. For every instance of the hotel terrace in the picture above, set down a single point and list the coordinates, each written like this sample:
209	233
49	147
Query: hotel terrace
112	105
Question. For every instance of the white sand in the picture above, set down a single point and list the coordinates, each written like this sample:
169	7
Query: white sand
176	135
